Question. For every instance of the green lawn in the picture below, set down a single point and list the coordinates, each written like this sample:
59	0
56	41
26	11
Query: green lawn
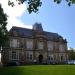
39	70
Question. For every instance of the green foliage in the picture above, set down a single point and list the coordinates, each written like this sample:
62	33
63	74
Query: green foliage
70	2
71	54
33	5
10	3
57	1
3	30
39	70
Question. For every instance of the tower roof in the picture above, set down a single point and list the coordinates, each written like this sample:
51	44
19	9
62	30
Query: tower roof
38	27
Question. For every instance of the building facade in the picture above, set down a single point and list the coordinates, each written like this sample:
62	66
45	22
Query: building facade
27	46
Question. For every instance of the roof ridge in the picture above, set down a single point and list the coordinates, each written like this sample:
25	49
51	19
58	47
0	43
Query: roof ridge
20	27
51	32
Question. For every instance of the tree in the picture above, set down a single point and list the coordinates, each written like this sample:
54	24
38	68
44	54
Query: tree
71	54
33	5
3	30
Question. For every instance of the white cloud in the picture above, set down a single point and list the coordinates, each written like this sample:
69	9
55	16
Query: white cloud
14	14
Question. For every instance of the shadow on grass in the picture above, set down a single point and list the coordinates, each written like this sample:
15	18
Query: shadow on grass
25	70
20	70
12	71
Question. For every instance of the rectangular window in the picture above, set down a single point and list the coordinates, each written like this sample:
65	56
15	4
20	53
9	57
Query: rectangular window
40	45
61	57
29	44
14	43
29	55
50	57
61	47
50	45
13	55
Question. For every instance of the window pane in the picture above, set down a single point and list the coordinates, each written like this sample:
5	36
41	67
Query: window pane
29	44
14	43
29	55
50	45
61	47
40	45
13	55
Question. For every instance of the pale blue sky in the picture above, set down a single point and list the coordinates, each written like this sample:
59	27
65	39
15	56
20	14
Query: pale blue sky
55	18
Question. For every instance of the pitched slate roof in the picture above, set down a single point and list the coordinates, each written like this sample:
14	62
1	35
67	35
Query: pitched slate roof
24	32
51	35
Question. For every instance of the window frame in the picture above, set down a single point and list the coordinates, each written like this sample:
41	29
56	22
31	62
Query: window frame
29	55
61	47
50	45
40	45
14	43
29	43
11	55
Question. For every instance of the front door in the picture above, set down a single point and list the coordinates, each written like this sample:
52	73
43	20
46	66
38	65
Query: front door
40	58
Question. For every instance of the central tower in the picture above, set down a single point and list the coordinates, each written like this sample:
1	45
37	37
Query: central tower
38	27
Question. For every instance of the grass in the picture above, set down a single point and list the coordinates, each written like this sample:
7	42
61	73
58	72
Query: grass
39	70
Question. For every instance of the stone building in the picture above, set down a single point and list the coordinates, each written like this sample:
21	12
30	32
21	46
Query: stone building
27	46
